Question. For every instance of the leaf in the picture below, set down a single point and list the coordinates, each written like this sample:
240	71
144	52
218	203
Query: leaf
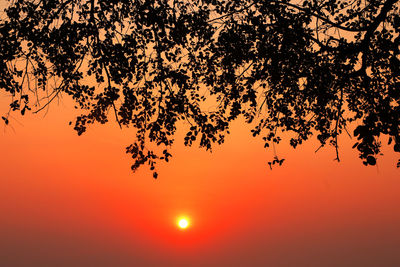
371	160
5	120
396	147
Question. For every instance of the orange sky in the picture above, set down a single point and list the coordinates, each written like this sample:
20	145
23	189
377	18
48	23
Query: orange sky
73	201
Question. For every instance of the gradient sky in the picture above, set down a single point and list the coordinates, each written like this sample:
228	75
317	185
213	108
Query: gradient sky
73	201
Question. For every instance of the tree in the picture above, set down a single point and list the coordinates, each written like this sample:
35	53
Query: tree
307	67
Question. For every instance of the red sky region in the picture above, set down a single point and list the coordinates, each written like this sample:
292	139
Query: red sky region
73	201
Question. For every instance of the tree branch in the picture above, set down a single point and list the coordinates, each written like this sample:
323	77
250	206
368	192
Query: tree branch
324	19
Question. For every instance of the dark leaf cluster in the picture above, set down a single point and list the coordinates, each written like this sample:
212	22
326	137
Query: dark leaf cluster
289	68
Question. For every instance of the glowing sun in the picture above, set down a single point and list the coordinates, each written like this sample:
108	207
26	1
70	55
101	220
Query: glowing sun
183	223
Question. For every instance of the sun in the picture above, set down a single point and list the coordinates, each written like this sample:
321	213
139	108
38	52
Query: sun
183	223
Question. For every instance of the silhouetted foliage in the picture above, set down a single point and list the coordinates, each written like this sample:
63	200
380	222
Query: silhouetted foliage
303	67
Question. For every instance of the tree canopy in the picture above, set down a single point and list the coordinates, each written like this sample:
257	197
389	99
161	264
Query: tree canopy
309	67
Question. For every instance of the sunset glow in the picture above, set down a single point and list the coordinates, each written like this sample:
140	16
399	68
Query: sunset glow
199	133
239	212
